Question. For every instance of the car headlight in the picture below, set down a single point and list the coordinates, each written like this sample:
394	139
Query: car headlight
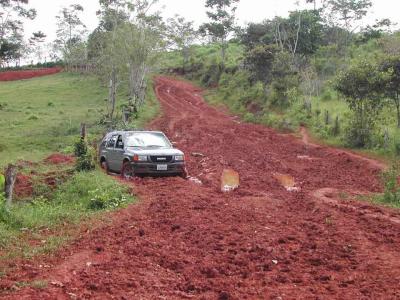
179	157
140	158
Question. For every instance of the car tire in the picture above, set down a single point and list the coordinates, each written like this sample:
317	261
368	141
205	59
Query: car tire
105	167
184	174
127	171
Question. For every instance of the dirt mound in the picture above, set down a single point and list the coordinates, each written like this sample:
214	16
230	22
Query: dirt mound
262	241
58	159
26	74
23	186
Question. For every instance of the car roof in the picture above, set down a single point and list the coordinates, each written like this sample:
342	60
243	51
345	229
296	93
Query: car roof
132	131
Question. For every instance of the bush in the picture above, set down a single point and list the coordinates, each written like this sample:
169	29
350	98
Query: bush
249	117
106	199
81	147
326	95
212	74
392	191
357	135
6	215
87	161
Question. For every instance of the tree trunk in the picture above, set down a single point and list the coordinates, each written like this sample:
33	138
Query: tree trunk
398	111
11	175
112	93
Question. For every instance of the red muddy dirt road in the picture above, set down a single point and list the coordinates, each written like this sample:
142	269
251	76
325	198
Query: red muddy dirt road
190	241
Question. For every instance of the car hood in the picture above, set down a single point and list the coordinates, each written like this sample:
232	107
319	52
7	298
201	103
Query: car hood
159	151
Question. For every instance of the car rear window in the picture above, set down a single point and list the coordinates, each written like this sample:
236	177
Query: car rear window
148	140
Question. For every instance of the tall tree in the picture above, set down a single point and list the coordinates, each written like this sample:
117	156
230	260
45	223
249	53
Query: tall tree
182	34
222	21
12	14
36	44
70	30
300	33
346	14
125	47
391	67
361	86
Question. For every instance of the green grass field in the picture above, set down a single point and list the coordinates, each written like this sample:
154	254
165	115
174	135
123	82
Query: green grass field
41	116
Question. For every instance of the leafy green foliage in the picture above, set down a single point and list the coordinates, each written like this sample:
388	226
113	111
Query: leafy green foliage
70	203
70	29
222	20
2	183
106	199
259	61
86	156
12	14
391	67
391	186
360	85
182	34
81	147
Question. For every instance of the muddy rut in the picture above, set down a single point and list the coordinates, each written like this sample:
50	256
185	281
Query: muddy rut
187	240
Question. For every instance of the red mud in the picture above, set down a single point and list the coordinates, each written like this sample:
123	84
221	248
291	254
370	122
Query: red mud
23	186
185	240
26	74
58	159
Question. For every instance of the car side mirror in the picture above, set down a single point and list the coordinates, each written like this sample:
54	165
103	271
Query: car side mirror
120	145
174	143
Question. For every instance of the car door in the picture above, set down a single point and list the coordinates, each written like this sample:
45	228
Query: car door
119	153
110	147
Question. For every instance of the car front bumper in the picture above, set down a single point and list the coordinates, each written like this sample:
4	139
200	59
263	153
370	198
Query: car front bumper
151	168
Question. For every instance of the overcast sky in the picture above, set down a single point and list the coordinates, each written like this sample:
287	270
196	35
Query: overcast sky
248	11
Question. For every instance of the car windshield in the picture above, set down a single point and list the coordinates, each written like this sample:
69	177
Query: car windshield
148	140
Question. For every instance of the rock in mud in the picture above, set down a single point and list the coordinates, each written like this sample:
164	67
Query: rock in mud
230	180
287	182
195	180
197	154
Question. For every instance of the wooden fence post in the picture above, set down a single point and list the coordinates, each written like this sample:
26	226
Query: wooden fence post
83	131
11	175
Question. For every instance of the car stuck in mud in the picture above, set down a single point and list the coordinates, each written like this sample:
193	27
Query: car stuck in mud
132	153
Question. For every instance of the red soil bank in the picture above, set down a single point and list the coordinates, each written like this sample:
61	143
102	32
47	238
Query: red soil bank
190	241
23	186
26	74
58	158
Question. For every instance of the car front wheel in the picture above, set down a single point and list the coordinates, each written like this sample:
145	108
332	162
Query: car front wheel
127	171
105	167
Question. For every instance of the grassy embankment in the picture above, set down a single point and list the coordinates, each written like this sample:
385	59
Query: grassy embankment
253	105
233	90
39	117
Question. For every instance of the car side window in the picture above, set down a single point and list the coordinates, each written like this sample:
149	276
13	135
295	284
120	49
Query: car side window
111	142
120	143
